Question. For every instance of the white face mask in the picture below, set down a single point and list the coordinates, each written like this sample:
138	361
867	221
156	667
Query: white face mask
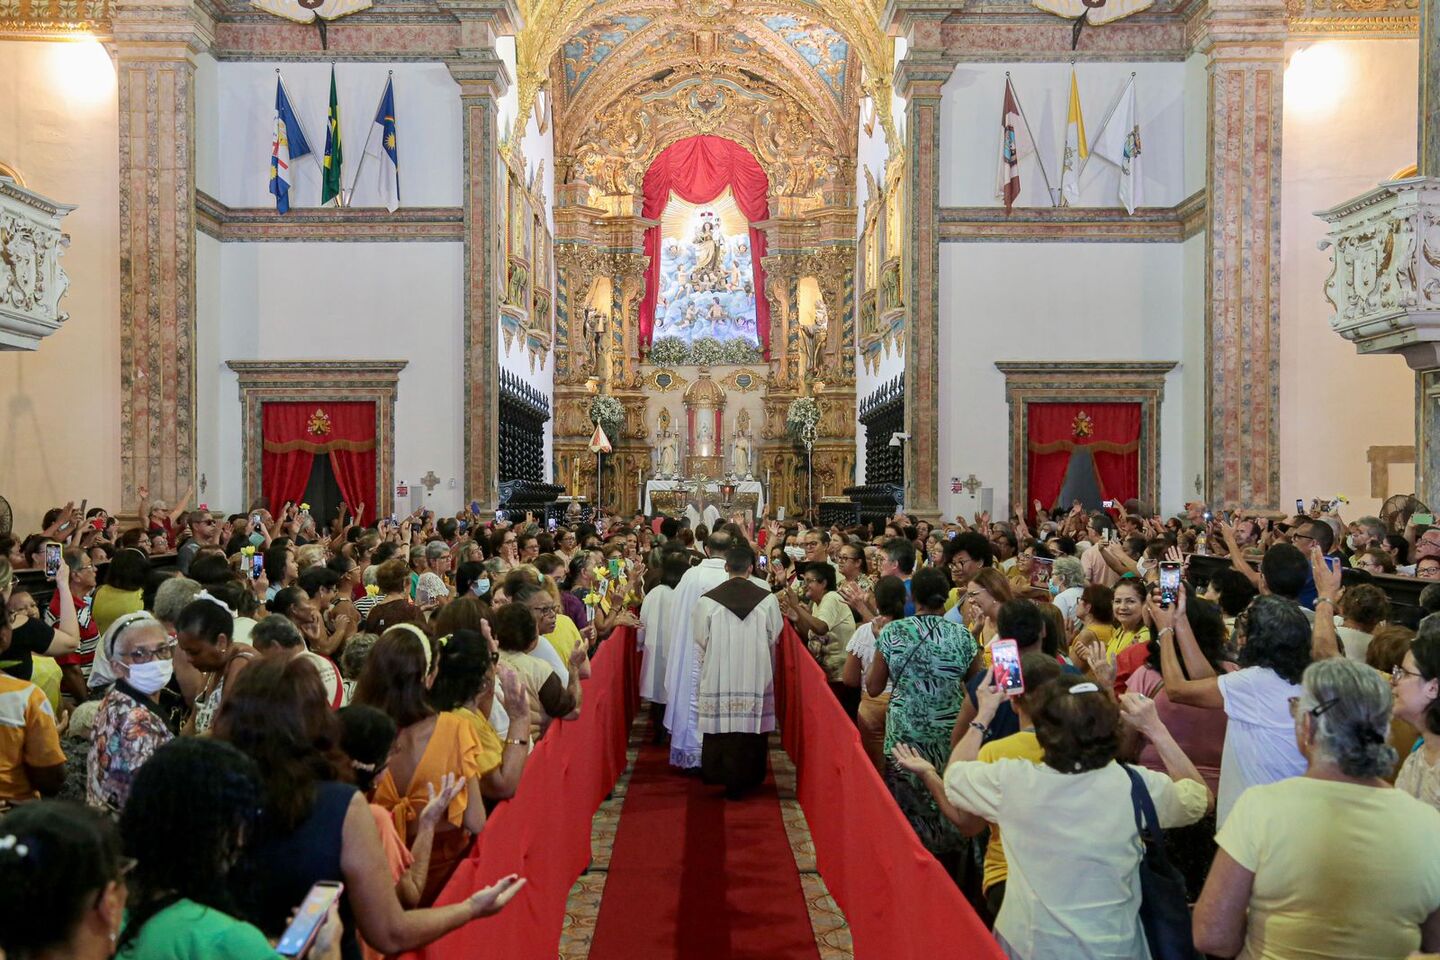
150	677
795	553
1143	565
1350	542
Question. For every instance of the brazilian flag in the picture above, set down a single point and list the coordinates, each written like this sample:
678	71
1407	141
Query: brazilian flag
330	184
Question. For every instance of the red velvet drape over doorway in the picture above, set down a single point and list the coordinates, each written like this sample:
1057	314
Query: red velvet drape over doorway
698	169
1110	431
295	432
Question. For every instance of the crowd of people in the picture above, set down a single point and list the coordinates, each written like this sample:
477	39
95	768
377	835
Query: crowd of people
271	695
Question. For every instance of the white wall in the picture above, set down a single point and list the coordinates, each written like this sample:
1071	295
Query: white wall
427	119
59	408
970	130
380	301
1349	123
1097	302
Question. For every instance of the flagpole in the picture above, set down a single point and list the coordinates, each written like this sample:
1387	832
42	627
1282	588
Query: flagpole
1106	122
299	122
365	151
1038	159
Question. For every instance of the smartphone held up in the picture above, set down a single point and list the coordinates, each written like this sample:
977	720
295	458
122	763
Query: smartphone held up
1169	583
1005	658
299	937
52	560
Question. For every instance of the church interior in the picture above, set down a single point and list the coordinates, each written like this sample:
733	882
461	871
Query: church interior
816	260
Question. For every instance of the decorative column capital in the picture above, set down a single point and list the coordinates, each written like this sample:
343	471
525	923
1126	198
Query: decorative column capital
1232	29
919	21
480	74
160	30
482	21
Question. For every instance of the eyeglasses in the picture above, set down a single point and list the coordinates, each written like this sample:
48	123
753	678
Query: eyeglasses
1399	673
145	655
544	608
1316	711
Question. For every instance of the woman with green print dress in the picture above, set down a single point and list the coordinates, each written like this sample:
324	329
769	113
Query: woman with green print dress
926	658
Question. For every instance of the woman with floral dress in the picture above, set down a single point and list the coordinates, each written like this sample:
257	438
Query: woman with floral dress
926	659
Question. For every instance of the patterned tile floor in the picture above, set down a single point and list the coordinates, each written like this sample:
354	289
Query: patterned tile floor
832	934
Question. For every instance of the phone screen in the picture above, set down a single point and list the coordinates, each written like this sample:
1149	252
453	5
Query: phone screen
499	515
1005	657
52	559
257	565
614	567
762	563
254	519
1169	582
551	524
1040	571
299	936
1422	519
1300	507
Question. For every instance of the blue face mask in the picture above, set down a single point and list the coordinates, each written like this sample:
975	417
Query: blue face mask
1054	588
480	587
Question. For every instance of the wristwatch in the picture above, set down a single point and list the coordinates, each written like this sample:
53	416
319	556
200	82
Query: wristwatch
977	725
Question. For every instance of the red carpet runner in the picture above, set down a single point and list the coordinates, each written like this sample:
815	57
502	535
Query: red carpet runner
694	877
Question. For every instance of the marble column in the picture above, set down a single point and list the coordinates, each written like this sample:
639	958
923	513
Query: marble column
919	79
483	80
154	45
1245	43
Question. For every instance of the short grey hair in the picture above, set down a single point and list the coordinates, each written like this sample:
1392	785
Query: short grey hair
436	549
1372	526
1068	572
1353	726
276	631
173	596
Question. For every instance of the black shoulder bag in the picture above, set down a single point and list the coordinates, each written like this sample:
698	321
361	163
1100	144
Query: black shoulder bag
1164	909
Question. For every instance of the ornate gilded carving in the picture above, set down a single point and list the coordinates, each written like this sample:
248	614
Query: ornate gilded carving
31	278
744	381
664	381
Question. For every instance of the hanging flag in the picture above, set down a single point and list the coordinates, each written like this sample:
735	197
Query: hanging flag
330	181
1015	145
1119	143
382	148
288	146
599	443
1076	149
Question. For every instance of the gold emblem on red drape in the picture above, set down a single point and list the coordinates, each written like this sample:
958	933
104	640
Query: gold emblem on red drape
1082	426
319	424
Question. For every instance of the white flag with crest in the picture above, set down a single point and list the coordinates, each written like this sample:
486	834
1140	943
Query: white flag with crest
1120	144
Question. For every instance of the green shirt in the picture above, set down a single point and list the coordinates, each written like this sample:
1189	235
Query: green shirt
185	930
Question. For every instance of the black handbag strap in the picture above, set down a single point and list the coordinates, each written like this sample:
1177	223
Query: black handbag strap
1147	821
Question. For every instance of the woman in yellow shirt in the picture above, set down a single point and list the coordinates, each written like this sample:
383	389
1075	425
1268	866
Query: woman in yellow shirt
1335	863
465	685
1095	617
1129	604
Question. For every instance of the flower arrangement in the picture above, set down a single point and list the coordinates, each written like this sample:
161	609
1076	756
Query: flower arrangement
609	413
304	508
673	351
247	551
802	417
371	590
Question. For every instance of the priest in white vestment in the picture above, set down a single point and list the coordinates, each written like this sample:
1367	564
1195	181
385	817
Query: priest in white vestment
736	626
698	512
682	669
654	639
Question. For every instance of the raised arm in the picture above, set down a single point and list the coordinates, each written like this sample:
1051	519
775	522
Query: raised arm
1323	640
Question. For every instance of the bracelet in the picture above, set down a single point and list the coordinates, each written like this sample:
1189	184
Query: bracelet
518	743
1320	600
1165	630
977	725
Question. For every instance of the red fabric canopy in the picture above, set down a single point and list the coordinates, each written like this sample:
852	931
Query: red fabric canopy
295	432
698	169
1111	432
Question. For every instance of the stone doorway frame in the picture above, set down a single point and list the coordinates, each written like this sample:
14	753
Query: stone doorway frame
320	381
1085	381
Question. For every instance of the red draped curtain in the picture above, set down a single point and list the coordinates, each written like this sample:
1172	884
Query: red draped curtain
698	169
295	432
1111	433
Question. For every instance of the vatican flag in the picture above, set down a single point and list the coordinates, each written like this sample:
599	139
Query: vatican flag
599	443
1119	143
1076	149
383	148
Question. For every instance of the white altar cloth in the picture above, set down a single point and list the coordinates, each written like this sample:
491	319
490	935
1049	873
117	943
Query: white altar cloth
712	491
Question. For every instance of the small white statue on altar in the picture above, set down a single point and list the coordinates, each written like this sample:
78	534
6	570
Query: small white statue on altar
669	454
740	456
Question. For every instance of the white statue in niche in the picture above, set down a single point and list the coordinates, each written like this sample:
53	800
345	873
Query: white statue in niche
740	457
813	334
669	454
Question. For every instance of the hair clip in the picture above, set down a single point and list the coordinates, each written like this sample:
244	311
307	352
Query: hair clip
1084	688
8	842
442	641
206	595
363	767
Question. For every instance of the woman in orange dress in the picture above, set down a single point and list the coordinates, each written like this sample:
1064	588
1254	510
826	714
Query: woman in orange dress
429	746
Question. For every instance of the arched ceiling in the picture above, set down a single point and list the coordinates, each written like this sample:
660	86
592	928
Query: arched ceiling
821	55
